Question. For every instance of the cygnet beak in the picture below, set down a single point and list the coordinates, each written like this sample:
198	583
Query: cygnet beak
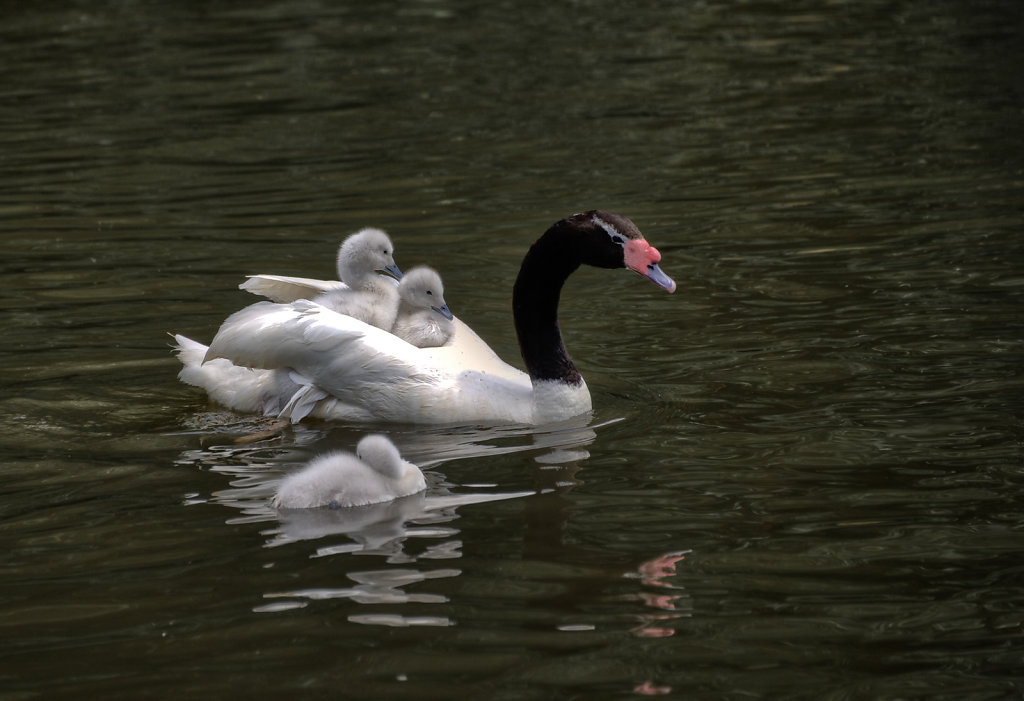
392	270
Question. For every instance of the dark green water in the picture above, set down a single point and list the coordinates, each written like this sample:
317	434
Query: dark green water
805	473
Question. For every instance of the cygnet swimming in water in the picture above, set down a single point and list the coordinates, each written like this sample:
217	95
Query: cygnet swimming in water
375	474
424	319
368	296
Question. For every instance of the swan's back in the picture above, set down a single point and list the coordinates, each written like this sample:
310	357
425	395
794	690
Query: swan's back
367	374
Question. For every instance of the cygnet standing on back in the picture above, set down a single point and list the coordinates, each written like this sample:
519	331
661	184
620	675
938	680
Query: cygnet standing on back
369	297
424	319
375	474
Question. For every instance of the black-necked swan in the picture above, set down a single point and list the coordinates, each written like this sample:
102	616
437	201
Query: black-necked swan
375	474
360	257
353	371
423	319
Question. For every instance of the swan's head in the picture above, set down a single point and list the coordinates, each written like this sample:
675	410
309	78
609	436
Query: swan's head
618	243
364	253
421	288
381	454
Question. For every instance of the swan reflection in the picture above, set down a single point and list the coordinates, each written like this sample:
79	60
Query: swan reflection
668	599
380	529
407	533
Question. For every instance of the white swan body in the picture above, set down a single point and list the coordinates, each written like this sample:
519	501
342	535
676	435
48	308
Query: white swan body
423	318
269	379
375	474
341	368
350	370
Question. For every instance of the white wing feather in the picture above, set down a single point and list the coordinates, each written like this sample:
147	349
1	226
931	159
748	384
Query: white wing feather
281	288
370	371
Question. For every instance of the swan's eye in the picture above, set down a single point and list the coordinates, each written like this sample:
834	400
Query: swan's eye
612	232
430	293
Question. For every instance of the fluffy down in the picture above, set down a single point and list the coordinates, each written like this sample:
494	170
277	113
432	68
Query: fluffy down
361	292
424	319
375	474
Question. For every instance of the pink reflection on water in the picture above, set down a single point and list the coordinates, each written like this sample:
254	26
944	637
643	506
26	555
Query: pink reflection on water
653	573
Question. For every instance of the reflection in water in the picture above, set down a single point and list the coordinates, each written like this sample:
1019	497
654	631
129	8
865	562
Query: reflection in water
559	443
385	530
829	414
650	689
656	573
371	587
253	457
379	529
374	528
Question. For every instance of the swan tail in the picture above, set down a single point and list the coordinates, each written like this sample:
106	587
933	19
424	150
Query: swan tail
238	388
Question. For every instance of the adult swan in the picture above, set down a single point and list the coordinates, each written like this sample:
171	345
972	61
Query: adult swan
313	361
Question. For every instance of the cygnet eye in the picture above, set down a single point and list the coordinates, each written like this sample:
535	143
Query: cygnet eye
430	293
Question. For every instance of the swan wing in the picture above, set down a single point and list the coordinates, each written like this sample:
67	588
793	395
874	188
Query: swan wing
314	341
281	288
361	366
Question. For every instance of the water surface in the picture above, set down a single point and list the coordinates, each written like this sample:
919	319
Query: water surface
803	476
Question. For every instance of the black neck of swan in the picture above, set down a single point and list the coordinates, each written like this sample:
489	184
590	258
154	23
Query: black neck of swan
547	265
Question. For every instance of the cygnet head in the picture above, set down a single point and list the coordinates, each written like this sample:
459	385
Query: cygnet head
381	454
421	287
366	253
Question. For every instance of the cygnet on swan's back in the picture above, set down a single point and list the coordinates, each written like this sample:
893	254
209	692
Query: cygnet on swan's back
285	288
376	473
424	319
369	296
